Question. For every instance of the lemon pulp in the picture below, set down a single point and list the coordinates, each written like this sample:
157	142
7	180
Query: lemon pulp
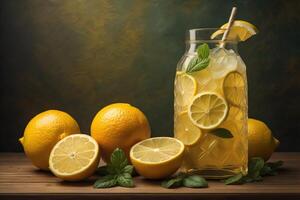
75	157
158	157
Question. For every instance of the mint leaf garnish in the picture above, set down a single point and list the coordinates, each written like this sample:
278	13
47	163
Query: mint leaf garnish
201	64
192	63
125	180
257	169
203	51
222	132
127	169
234	180
182	179
201	61
118	159
254	166
116	173
275	165
106	182
195	181
172	183
270	168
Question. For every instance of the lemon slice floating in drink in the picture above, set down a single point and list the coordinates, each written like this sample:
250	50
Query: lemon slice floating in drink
186	131
240	30
158	157
208	110
185	88
75	157
234	88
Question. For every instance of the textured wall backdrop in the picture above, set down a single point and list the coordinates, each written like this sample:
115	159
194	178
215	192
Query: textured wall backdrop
80	55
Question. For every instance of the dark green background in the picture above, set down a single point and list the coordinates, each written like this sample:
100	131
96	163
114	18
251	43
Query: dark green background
80	55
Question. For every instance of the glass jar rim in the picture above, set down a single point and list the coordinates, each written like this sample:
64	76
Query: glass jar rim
192	35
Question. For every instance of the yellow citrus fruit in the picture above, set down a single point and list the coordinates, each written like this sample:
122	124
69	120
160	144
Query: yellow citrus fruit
234	88
186	131
260	140
240	30
75	157
208	110
43	132
185	89
157	158
119	125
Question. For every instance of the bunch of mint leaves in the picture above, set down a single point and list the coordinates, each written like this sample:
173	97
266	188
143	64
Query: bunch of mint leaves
184	179
201	61
117	172
257	169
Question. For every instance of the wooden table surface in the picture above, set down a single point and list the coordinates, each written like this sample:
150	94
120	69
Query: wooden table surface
20	180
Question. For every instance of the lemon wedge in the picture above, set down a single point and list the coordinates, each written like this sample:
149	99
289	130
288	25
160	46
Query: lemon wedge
234	88
75	157
208	110
186	131
157	157
240	30
185	89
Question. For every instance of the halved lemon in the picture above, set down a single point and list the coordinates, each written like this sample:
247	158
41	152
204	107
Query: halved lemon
240	30
75	157
185	88
157	157
186	131
234	88
208	110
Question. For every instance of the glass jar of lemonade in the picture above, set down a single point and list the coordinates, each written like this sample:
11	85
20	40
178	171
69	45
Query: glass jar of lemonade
211	106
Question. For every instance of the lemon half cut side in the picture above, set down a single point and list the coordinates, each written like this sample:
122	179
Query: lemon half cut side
157	157
75	157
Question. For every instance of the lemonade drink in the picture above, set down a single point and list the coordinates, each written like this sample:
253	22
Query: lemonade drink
210	106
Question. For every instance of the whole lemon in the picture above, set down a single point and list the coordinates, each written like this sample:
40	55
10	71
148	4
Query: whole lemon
119	125
43	132
260	140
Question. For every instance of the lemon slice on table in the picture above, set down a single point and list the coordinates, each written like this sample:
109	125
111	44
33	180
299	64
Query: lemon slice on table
157	157
185	88
208	110
75	157
240	30
186	131
234	88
